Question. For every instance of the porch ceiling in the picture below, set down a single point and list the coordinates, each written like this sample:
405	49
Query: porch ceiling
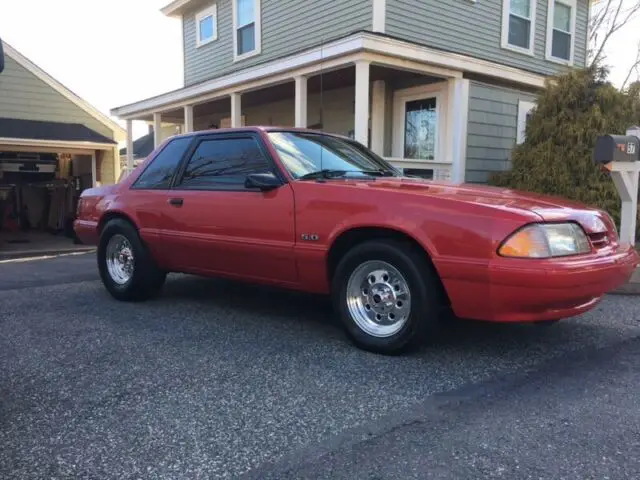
334	79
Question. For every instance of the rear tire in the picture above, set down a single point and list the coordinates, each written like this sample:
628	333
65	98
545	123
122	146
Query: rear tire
126	267
387	295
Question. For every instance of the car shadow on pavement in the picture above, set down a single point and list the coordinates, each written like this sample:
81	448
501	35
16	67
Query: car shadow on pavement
315	312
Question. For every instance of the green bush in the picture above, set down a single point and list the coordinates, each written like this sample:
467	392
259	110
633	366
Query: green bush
557	155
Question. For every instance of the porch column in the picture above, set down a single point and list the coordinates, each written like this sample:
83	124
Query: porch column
129	145
236	109
361	120
157	129
188	118
457	127
378	95
94	169
301	101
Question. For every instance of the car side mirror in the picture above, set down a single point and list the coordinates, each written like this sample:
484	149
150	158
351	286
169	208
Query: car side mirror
262	181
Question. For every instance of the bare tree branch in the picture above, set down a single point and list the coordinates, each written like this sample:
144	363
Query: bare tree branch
634	68
607	22
596	21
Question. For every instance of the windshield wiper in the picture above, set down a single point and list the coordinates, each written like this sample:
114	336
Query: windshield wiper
329	173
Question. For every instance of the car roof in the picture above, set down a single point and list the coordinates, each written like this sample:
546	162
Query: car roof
257	128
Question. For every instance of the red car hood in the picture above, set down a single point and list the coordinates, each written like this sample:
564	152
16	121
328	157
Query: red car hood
547	208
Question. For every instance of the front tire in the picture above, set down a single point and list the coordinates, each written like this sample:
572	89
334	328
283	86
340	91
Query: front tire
387	295
126	267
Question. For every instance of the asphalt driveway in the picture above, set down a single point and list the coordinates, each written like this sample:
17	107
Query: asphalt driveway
216	380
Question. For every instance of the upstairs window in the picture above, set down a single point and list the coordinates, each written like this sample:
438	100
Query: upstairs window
246	27
207	25
518	25
561	22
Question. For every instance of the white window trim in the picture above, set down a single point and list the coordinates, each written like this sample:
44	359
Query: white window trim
549	48
379	15
258	30
211	11
439	91
506	4
524	107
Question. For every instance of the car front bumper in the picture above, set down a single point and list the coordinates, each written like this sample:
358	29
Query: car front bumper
523	290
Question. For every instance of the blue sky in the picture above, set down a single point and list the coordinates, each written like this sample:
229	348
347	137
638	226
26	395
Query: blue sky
119	51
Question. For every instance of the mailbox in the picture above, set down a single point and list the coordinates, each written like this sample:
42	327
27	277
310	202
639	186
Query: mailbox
617	148
620	155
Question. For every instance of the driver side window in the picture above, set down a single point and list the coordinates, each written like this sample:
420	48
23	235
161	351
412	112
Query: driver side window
223	164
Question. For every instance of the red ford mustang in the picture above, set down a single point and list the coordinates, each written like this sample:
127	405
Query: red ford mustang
320	213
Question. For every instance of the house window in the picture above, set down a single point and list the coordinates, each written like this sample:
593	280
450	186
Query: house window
518	25
525	110
560	30
420	129
246	23
206	26
419	124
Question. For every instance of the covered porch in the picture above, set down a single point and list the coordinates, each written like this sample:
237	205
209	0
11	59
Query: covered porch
411	113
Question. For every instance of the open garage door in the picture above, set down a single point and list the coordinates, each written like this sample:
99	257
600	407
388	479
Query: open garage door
41	180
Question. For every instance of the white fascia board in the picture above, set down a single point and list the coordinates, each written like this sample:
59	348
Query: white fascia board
320	57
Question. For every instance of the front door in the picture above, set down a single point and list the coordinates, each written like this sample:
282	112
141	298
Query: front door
419	126
149	195
214	224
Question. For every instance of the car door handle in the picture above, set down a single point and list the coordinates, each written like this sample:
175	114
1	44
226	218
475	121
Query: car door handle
176	202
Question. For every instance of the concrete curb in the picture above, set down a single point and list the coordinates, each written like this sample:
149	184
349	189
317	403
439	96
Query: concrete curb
21	254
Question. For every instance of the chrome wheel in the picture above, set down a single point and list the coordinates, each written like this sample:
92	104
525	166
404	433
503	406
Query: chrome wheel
120	261
378	298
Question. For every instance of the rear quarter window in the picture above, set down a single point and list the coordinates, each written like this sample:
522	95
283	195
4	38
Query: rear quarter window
159	172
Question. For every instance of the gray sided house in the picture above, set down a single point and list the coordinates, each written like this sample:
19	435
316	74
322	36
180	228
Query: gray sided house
53	145
39	116
441	88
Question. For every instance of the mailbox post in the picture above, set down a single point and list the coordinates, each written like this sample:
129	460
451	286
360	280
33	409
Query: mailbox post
620	155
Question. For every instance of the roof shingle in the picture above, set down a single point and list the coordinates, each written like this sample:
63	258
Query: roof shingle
41	130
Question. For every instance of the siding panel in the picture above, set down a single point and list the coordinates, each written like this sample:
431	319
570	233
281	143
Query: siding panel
474	29
492	129
25	96
287	26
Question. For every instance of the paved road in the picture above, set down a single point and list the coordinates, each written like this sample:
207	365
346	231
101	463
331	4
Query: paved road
217	380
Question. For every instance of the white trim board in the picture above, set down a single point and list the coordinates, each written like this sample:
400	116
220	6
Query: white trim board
333	54
29	142
175	8
64	91
379	15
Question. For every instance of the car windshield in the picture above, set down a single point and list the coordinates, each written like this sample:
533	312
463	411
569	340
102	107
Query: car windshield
305	154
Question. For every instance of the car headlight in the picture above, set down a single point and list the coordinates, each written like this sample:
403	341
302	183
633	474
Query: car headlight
542	240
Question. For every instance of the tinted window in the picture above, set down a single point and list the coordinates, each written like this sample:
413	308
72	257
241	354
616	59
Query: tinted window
159	172
224	163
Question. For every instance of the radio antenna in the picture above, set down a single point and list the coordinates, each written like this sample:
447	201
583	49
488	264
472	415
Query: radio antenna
321	96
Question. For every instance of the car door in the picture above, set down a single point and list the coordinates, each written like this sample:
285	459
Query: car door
215	224
148	196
